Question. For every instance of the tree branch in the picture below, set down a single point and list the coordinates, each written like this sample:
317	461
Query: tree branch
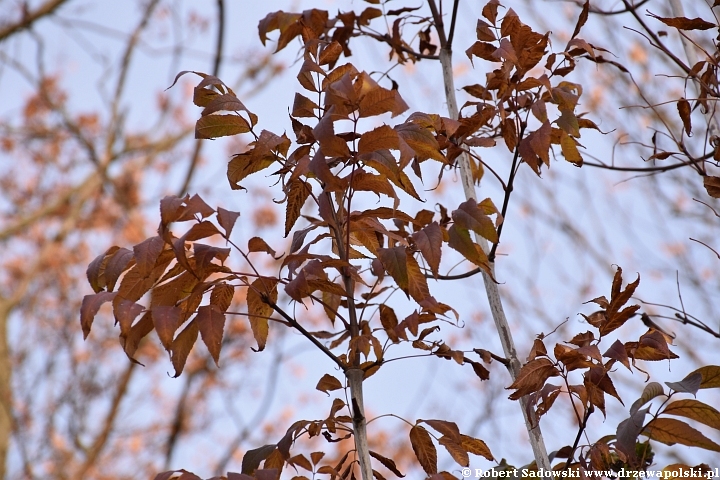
29	18
216	72
302	330
532	425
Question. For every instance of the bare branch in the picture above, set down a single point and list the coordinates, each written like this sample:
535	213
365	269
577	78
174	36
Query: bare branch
29	18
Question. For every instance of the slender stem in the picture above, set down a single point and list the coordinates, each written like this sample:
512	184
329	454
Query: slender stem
451	35
581	429
216	72
508	192
354	374
302	330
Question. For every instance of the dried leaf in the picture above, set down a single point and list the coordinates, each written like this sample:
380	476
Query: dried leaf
712	185
670	431
215	126
651	390
328	383
166	320
90	306
382	137
182	345
257	244
683	107
456	451
387	463
429	242
532	377
259	311
459	239
683	23
211	322
252	458
581	19
303	106
694	410
476	446
227	219
710	376
424	449
298	193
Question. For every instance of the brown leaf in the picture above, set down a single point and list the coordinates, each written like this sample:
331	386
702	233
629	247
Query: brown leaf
328	383
710	376
476	447
382	137
420	141
380	100
182	345
301	461
166	320
490	10
261	154
252	458
683	23
298	193
417	283
459	239
694	410
258	310
651	390
683	107
469	216
257	244
117	263
618	353
429	242
482	50
222	296
389	321
569	149
600	377
424	449
211	323
532	377
581	19
226	102
184	475
215	126
125	313
394	261
303	106
456	451
387	463
651	347
368	182
146	254
712	185
227	219
324	132
90	306
482	372
331	52
670	431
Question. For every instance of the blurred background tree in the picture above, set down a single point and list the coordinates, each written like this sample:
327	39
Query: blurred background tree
90	141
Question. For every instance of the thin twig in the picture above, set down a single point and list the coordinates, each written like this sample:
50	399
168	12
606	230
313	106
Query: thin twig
28	18
508	192
195	158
